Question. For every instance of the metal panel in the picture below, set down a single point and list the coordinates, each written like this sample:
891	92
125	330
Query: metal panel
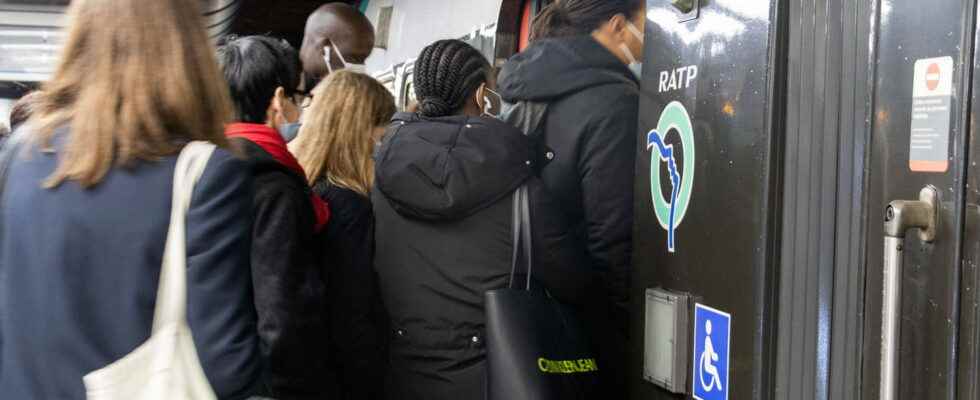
856	83
930	285
821	264
809	202
968	364
724	253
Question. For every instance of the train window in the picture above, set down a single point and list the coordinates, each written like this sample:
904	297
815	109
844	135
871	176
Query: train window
28	53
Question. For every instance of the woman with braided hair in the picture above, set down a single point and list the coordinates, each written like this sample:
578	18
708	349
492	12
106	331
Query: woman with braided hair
442	200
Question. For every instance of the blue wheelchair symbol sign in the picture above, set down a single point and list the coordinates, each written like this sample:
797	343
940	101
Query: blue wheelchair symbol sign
712	337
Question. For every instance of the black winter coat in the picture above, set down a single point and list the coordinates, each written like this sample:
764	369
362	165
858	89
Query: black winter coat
287	272
358	322
589	102
80	268
442	203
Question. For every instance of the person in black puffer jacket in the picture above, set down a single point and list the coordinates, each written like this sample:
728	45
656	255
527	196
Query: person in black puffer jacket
443	207
580	76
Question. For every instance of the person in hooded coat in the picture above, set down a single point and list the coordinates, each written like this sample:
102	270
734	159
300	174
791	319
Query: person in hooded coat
445	179
580	75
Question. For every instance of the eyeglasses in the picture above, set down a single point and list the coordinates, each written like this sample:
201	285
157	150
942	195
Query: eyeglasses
302	99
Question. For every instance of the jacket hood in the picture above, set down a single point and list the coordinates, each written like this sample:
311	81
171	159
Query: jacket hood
553	68
451	167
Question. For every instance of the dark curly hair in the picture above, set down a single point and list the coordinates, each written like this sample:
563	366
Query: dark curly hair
580	17
447	73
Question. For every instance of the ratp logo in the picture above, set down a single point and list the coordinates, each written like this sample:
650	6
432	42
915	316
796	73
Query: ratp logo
671	212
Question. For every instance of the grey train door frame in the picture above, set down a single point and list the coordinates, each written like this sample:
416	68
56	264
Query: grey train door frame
850	74
851	78
922	137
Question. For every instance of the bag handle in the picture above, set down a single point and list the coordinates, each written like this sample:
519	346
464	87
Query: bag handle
171	306
522	235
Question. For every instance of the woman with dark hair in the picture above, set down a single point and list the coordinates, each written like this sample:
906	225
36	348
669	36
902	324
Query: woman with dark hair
580	75
263	76
86	206
443	215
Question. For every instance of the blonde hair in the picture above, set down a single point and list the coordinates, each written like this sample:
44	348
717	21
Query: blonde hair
336	140
137	79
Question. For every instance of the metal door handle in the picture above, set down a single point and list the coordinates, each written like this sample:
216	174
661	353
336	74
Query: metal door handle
900	217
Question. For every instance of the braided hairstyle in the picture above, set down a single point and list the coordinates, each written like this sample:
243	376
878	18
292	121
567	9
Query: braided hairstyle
447	73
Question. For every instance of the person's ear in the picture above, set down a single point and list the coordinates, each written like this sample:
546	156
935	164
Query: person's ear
278	105
480	97
617	25
322	43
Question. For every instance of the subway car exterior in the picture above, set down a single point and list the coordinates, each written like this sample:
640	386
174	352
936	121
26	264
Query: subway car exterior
823	232
822	240
821	237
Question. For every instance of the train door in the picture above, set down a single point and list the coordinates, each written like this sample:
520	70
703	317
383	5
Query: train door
921	305
704	213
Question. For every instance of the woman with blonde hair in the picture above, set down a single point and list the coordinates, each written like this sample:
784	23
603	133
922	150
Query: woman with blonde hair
334	146
86	206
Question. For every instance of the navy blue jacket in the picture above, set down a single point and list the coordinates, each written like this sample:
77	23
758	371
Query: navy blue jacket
79	272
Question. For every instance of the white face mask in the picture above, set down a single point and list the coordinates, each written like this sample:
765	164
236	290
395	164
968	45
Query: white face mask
328	54
635	65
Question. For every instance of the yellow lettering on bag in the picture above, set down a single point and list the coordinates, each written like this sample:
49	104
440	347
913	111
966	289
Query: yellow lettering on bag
567	366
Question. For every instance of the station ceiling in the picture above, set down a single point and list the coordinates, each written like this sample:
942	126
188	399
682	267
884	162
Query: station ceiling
281	18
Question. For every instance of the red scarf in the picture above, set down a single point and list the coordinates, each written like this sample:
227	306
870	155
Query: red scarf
272	142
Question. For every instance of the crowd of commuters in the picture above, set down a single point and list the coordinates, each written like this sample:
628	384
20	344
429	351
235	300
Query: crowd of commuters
336	249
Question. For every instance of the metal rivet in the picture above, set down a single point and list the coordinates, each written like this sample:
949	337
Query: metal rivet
400	332
476	339
528	162
550	155
469	126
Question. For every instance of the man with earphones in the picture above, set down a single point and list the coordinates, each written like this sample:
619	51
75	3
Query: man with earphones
337	36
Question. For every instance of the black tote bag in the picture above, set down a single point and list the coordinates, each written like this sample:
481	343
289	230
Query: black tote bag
536	347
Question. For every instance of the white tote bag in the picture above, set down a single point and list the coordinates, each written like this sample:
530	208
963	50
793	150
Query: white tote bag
166	366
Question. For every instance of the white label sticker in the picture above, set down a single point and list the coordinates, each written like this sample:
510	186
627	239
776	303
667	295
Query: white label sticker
932	99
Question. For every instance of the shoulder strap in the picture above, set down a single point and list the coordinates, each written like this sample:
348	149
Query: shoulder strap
171	306
529	118
521	235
